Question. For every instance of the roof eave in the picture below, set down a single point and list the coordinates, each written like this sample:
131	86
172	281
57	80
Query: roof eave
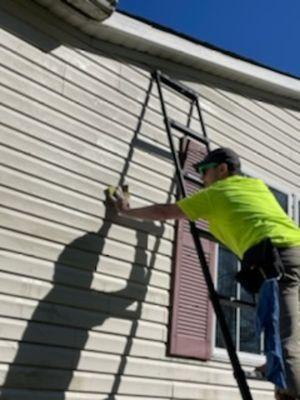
128	32
134	34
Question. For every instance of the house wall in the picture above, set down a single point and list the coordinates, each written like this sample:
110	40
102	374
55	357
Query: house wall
84	294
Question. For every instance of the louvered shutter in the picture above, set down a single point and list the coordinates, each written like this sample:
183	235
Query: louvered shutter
191	313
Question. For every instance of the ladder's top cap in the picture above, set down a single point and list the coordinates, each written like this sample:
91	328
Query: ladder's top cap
219	156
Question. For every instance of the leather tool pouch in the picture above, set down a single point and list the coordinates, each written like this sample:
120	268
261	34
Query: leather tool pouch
260	262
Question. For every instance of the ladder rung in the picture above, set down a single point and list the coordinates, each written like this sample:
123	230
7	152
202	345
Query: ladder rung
233	302
178	87
257	375
188	131
193	178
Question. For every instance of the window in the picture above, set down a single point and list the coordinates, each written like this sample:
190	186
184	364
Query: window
241	320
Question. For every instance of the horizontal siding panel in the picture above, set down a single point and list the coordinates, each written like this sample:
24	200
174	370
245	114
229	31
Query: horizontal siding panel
41	269
62	105
74	211
53	231
214	392
73	72
246	109
98	342
62	358
248	140
74	278
43	249
156	116
106	363
255	138
15	394
66	108
98	153
44	115
282	118
85	185
80	258
85	382
118	303
67	325
249	110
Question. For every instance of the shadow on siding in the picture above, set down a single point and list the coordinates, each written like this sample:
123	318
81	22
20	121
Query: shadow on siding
50	349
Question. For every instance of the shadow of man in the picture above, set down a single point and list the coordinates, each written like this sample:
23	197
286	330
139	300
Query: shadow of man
50	349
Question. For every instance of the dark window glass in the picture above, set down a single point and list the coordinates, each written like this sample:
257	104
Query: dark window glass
227	287
282	198
249	343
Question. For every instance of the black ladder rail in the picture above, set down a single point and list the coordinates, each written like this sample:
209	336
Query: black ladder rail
239	374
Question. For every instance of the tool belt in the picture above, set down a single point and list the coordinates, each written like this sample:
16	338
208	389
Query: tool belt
259	263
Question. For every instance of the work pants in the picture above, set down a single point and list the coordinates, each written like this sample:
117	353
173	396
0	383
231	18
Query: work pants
290	317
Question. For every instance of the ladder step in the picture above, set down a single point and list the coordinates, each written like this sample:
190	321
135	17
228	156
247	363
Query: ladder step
188	131
233	302
257	375
177	86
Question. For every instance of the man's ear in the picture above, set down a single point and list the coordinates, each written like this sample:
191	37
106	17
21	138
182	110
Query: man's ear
223	169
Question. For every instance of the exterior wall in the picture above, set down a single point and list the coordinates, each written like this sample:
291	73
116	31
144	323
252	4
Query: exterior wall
84	296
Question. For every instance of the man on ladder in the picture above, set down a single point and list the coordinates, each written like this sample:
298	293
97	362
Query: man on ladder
244	215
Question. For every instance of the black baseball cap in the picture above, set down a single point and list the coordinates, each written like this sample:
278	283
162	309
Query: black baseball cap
219	156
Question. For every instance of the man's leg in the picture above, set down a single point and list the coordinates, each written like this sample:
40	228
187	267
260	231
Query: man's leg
289	318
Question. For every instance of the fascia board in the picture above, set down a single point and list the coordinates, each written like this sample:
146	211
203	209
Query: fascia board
123	30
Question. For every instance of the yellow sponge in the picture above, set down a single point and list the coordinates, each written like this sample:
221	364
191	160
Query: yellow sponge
113	191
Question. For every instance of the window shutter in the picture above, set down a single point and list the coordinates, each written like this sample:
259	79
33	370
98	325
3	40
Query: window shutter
191	314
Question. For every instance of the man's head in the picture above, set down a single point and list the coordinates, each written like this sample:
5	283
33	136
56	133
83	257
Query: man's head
217	165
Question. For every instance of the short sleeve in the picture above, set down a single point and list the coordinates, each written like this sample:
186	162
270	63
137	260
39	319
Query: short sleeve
196	206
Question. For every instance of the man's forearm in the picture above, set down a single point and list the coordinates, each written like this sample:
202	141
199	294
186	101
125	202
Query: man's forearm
158	212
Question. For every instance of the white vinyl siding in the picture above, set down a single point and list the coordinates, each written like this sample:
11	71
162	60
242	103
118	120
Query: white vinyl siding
70	107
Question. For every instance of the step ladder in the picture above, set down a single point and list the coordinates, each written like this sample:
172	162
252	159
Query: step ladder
163	80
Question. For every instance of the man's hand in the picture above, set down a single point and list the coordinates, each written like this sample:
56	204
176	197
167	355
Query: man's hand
119	198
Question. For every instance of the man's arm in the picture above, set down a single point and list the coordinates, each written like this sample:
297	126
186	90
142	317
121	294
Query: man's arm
158	212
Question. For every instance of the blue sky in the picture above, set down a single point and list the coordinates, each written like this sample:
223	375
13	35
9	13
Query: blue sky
266	31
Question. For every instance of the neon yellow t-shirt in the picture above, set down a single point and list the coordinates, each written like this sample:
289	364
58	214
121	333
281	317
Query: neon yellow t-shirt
241	212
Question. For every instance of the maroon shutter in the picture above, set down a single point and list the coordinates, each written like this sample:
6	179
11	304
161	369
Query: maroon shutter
191	315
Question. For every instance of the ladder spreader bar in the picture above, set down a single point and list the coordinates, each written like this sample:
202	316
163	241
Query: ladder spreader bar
178	87
188	131
233	302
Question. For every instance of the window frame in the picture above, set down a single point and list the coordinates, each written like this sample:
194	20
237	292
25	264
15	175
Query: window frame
296	208
218	353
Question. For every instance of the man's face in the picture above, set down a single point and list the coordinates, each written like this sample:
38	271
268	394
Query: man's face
214	174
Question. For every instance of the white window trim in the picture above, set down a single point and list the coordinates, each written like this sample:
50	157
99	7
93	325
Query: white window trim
296	214
220	354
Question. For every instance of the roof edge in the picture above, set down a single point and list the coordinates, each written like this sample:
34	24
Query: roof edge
135	34
206	44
